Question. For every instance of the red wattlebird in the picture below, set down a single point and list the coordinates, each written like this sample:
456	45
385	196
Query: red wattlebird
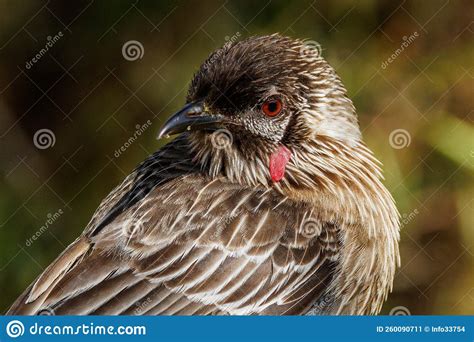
267	202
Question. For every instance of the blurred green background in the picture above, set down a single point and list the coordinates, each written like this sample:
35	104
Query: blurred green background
407	66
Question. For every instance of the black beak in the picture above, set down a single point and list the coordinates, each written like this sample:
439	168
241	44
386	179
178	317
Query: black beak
192	117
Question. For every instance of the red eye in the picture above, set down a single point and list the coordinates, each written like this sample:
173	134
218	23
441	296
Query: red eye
272	107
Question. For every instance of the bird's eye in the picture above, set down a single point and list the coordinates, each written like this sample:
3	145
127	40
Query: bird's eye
272	107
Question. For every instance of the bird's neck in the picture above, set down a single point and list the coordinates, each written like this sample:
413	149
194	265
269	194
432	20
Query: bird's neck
345	178
342	182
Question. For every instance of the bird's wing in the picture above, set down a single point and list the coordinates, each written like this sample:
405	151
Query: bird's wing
192	246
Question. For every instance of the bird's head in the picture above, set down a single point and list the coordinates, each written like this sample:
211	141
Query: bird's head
268	110
271	112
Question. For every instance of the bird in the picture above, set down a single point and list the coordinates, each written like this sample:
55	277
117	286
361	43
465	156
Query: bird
265	200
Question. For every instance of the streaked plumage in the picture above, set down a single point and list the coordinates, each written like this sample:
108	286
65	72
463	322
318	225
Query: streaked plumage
205	229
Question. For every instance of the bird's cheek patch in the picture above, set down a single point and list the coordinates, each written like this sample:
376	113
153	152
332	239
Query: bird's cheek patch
278	161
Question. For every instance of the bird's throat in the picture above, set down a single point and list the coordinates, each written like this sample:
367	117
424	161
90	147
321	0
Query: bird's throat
278	161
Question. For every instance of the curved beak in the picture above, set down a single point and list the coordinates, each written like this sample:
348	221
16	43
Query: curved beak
192	116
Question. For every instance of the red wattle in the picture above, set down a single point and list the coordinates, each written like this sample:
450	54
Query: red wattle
278	161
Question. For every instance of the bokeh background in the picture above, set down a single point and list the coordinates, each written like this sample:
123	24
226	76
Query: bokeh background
65	116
